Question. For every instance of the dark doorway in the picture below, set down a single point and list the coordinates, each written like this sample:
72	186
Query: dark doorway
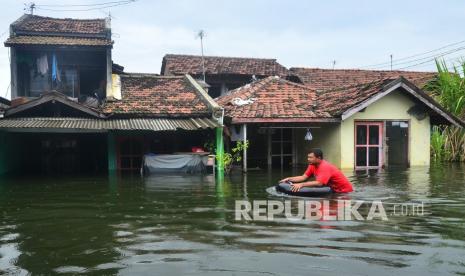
61	153
397	143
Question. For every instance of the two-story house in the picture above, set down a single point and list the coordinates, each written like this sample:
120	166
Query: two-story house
72	110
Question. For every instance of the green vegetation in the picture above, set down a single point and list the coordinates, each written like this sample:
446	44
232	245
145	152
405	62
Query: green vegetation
448	142
229	158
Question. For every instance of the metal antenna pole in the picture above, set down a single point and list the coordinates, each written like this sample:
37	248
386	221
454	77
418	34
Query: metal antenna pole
201	35
391	62
32	6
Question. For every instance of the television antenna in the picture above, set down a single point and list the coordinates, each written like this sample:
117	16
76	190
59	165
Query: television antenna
201	35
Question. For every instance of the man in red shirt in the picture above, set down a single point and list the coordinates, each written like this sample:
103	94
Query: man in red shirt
325	174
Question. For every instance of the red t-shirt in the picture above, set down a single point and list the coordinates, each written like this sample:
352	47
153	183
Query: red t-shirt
327	174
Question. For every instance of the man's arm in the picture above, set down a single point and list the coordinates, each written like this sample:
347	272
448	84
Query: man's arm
299	178
295	187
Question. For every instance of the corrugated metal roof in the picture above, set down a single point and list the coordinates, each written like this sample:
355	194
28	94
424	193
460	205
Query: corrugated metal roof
153	124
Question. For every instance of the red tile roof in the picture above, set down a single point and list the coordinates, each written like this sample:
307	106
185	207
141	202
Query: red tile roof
277	100
57	40
158	96
41	24
323	79
40	30
272	97
339	100
190	64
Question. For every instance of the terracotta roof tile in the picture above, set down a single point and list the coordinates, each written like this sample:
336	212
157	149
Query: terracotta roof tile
323	79
57	40
278	100
272	97
337	101
40	30
41	24
157	96
190	64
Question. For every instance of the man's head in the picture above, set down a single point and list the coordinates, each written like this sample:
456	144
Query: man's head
315	156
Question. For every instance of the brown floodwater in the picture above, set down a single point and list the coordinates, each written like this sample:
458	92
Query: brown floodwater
172	225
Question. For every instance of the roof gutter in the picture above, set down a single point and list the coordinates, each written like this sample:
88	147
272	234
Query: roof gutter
284	120
214	107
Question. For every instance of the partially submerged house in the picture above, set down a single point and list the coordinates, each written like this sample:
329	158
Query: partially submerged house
73	110
382	122
222	73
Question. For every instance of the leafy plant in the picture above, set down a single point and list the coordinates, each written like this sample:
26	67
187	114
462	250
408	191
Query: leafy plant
235	156
437	144
448	143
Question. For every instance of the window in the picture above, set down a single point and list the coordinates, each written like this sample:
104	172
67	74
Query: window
38	83
68	82
281	147
368	144
74	73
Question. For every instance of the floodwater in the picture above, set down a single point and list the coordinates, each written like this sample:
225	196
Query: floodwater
175	225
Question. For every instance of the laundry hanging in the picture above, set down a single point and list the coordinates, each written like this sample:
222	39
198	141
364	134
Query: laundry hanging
308	135
237	133
55	71
42	65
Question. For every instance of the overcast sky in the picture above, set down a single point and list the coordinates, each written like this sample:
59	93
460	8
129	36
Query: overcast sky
296	33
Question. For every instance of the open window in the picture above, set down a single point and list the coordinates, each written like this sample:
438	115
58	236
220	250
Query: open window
77	74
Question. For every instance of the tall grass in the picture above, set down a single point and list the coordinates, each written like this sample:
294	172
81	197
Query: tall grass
448	142
438	151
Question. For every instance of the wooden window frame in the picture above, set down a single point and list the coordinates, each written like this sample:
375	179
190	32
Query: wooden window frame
119	155
380	144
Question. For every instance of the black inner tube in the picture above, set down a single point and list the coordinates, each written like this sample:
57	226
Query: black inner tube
285	187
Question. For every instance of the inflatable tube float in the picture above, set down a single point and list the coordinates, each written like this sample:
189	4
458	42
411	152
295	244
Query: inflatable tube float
285	187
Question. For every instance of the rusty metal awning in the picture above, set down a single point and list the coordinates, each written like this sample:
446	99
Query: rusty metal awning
151	124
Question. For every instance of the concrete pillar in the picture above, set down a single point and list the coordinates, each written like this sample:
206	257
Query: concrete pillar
111	152
13	73
109	70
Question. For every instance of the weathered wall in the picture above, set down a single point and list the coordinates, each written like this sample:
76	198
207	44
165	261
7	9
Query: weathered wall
392	107
327	138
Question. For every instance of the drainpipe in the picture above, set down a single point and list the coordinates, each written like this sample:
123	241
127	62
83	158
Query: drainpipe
220	145
218	115
244	158
219	149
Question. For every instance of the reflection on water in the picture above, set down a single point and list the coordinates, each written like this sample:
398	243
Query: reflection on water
185	224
